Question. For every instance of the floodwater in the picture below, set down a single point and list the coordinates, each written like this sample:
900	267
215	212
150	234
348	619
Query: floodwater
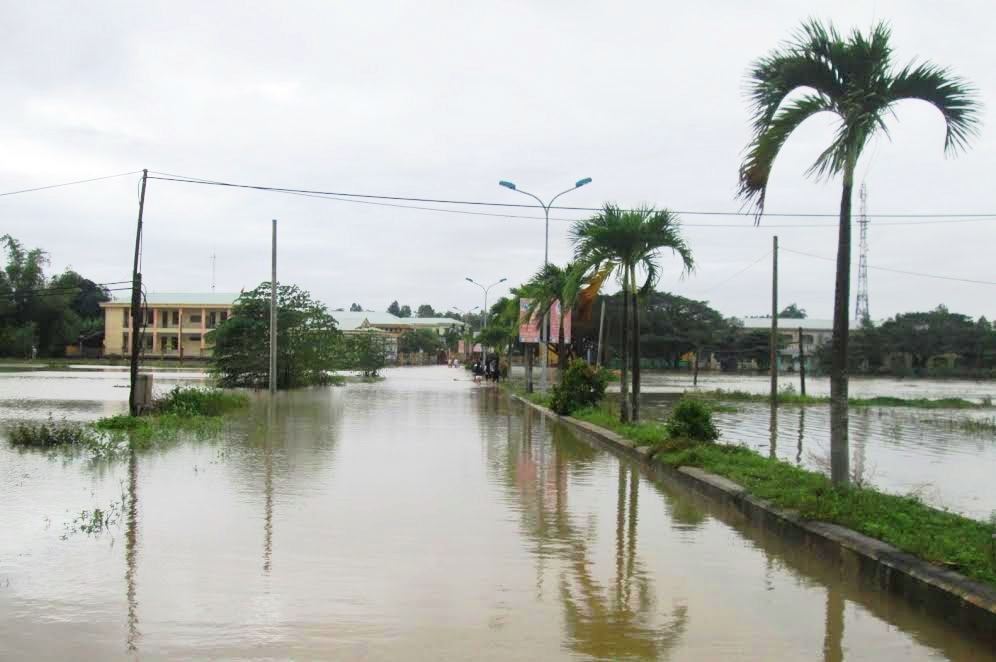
419	518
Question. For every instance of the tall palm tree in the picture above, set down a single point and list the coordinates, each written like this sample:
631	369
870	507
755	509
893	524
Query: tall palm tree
548	286
851	77
622	242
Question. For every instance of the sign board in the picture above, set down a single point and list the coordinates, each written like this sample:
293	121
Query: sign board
529	331
555	324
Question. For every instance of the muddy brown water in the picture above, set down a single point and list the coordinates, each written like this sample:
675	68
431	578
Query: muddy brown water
420	518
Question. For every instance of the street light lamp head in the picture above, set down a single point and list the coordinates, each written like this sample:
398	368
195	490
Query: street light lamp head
582	182
506	184
468	278
502	280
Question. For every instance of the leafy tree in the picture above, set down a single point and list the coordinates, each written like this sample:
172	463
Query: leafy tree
355	308
548	286
425	310
394	308
851	77
621	242
309	347
406	311
420	340
793	311
366	352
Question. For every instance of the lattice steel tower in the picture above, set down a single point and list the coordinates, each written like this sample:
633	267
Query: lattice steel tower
861	308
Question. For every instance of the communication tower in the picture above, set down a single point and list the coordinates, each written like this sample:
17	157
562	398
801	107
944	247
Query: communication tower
861	308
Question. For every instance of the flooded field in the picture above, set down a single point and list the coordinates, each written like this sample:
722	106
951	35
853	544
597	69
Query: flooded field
420	518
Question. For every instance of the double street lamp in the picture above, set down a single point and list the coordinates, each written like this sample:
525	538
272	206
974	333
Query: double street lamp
484	311
546	208
544	331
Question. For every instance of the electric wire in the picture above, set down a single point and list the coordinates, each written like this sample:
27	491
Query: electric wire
727	280
898	271
79	181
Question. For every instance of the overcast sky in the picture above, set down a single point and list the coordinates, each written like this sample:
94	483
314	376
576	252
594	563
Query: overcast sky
443	99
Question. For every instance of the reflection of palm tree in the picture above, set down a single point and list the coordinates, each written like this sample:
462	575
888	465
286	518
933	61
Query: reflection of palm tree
833	638
621	621
131	552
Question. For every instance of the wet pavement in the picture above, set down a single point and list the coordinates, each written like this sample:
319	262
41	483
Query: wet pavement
419	518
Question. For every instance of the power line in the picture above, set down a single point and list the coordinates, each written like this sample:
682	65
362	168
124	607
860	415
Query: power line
79	181
899	271
727	280
340	194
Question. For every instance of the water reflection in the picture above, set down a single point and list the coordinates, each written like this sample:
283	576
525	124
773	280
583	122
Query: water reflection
802	435
131	553
606	620
833	640
773	431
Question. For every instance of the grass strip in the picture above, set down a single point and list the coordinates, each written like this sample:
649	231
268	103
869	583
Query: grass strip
790	398
937	536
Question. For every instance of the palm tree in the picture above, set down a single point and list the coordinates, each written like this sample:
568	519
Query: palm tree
548	286
621	242
851	77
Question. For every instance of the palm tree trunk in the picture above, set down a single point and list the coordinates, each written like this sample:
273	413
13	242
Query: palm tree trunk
839	452
636	347
623	377
561	359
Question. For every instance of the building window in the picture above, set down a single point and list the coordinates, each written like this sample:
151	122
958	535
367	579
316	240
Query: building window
176	317
212	319
224	315
195	336
124	342
147	342
127	314
148	317
195	319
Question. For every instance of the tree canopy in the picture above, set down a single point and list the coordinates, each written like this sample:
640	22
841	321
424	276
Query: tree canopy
792	311
309	347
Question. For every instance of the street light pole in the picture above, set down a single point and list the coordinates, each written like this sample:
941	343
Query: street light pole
545	329
484	312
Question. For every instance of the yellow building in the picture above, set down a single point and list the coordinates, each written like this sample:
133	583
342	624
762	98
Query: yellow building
175	323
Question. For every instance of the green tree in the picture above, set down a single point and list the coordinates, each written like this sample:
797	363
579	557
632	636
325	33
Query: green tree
793	311
355	308
425	310
420	340
549	285
621	242
365	351
852	78
394	308
309	347
406	311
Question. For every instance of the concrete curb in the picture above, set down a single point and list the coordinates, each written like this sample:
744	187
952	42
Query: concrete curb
966	604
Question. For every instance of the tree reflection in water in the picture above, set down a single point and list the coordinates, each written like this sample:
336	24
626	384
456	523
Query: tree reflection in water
608	621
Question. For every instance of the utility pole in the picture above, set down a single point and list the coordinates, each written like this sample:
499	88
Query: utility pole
273	313
774	320
214	260
137	314
601	328
802	365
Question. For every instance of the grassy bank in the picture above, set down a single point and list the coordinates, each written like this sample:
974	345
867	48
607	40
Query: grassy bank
195	410
956	542
791	398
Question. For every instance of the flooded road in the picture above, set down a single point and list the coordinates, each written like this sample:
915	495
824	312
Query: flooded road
420	518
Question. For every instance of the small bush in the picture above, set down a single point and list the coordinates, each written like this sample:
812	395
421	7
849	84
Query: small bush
191	401
582	386
51	434
691	419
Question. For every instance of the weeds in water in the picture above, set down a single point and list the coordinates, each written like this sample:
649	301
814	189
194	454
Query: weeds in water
50	434
982	426
191	401
788	396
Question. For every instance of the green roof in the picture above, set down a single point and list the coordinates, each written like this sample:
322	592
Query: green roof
182	299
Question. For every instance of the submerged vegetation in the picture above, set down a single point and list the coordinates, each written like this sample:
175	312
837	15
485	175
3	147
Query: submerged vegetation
185	409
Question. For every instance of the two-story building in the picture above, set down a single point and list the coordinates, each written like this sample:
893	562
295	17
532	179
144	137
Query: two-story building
176	324
814	333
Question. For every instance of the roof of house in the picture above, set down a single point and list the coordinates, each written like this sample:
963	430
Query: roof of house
792	323
181	298
352	320
432	321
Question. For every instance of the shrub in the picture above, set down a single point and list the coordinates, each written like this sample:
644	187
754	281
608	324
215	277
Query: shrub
51	434
190	401
582	386
691	419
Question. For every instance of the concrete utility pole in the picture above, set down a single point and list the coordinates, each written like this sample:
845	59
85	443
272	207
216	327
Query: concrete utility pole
273	313
137	314
802	364
774	320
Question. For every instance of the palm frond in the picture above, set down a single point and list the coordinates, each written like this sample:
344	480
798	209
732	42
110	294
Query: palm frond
956	100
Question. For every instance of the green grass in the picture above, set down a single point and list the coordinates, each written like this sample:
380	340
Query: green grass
51	434
192	401
937	536
792	398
